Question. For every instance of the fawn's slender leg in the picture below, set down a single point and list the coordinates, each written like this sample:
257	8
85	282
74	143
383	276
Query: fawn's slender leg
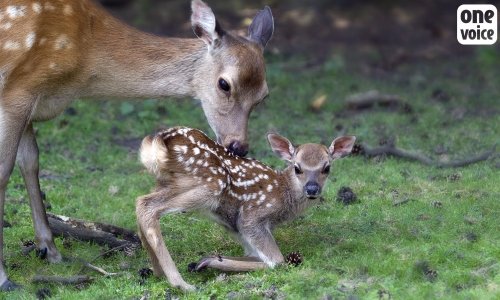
231	264
157	270
262	242
149	210
13	120
27	159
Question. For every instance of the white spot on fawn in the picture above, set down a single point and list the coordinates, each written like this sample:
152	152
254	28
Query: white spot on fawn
30	40
37	8
269	188
222	185
11	45
180	148
15	11
62	42
67	10
48	6
190	161
6	26
196	150
269	205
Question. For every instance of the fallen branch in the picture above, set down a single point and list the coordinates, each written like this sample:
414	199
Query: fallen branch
73	280
374	98
391	150
102	234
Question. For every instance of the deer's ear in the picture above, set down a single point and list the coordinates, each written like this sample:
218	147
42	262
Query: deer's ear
341	146
262	27
204	24
281	146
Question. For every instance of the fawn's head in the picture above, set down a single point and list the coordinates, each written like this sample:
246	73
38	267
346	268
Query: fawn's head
311	162
233	81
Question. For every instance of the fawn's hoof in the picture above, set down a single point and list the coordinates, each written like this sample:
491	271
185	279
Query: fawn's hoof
192	267
204	263
8	286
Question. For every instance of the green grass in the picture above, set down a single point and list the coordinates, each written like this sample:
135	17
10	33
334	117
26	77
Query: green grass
371	249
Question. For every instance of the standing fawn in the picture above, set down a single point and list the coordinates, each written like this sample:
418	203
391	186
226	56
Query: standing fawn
54	51
245	196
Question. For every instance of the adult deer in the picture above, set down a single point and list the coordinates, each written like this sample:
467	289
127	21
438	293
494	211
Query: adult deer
245	196
52	52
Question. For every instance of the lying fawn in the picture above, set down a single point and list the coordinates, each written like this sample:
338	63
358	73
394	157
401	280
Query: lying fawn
245	196
55	51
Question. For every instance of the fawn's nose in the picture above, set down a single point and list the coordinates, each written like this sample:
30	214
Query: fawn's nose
238	148
312	189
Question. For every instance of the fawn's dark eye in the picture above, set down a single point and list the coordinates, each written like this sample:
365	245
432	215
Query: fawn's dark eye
326	170
298	171
224	86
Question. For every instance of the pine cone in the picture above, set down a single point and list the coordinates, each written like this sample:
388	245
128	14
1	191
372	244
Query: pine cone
294	258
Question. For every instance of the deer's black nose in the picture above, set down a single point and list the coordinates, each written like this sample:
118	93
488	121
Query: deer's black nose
312	189
238	148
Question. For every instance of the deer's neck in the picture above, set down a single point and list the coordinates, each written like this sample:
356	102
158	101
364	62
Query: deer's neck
129	63
293	197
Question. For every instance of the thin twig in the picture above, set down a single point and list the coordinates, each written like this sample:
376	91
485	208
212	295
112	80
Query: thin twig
87	264
100	270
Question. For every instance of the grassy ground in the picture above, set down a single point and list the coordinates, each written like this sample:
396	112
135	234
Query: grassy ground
444	242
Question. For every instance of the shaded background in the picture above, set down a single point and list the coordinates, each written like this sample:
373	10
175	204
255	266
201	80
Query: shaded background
374	37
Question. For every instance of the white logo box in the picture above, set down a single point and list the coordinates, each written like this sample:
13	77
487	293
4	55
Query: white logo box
488	32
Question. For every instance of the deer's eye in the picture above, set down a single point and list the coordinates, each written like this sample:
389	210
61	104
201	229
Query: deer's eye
298	171
224	85
326	170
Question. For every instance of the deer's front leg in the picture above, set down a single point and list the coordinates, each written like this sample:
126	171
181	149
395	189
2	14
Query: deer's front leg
263	246
27	159
149	209
15	109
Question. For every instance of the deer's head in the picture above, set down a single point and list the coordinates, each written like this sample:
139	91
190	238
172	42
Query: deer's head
233	79
311	162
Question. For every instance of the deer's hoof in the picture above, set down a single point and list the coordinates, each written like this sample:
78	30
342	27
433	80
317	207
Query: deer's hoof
8	286
41	253
203	264
52	256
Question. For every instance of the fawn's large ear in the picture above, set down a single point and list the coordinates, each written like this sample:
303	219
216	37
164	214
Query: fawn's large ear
262	27
204	24
341	146
281	146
